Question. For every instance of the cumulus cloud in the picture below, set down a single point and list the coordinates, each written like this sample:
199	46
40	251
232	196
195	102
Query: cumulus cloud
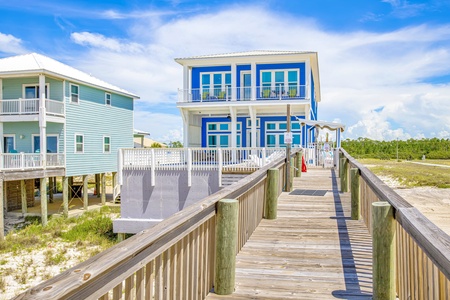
163	127
360	71
9	44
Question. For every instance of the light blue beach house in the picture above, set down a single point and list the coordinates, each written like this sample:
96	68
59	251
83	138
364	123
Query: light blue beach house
84	121
240	99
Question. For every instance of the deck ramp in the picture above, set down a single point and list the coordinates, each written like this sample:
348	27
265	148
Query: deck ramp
313	250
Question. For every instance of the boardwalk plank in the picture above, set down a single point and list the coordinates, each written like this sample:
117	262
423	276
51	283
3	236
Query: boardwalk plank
313	250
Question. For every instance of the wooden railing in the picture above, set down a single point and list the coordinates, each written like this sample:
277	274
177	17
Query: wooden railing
422	249
173	260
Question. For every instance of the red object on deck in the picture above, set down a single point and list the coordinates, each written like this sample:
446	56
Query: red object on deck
303	164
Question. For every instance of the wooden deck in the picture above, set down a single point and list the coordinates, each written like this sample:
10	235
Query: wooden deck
313	250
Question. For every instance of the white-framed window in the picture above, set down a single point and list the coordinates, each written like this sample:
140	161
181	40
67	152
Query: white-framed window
74	93
275	83
9	143
215	85
219	134
274	136
79	143
31	91
249	123
108	99
106	144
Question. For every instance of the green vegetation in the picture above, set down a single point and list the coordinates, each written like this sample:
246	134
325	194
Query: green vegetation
410	174
410	149
90	234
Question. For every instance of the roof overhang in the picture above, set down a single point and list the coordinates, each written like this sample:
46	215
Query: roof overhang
323	124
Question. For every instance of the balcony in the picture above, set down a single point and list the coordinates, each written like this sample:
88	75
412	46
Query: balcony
20	107
263	93
30	161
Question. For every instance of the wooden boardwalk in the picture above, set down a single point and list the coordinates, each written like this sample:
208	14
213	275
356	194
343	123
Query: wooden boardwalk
313	250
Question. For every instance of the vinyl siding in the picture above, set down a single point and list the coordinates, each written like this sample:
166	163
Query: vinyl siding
13	87
94	120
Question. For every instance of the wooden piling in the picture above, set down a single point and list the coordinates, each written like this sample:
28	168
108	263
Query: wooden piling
273	178
355	193
103	187
2	217
23	196
298	165
291	177
65	186
85	193
343	174
51	186
226	239
43	191
383	245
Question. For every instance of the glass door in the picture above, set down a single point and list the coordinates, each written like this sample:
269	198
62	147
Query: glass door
246	86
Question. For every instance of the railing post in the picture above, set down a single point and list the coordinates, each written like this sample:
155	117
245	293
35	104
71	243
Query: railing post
189	166
291	175
22	160
343	174
120	167
383	256
220	164
355	194
298	165
264	156
226	239
152	167
273	176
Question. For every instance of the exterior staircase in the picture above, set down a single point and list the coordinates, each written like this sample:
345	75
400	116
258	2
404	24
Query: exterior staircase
230	178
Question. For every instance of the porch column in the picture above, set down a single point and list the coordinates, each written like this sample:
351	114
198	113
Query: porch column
85	192
253	78
23	194
185	82
308	79
185	116
103	185
233	127
233	83
2	220
65	186
43	192
253	129
42	120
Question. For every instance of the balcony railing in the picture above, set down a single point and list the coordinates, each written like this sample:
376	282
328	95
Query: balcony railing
280	92
29	161
30	107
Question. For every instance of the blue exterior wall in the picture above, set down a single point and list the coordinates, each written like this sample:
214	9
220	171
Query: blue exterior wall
94	120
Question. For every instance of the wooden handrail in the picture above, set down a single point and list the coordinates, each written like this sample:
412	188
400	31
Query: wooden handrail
102	273
434	242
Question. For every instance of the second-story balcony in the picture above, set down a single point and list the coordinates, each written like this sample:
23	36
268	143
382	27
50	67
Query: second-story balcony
30	161
24	107
260	93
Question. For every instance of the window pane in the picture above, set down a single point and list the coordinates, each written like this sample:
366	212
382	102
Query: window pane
238	126
270	140
282	125
238	140
106	148
30	92
279	76
212	127
295	125
205	79
217	78
296	139
79	138
212	141
227	78
52	144
74	89
79	147
8	144
266	77
224	141
106	139
292	76
270	125
281	140
223	126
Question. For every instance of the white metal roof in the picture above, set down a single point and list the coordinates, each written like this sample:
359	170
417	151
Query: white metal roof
36	63
247	53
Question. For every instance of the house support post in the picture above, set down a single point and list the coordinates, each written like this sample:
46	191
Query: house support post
65	187
273	179
2	217
97	185
85	192
298	165
23	196
355	193
43	192
51	186
226	239
343	174
103	184
383	256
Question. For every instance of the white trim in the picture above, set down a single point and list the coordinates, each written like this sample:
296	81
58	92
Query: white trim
75	143
273	84
33	135
104	144
70	93
13	135
110	99
37	96
223	85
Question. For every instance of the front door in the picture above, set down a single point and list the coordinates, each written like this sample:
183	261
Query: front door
246	86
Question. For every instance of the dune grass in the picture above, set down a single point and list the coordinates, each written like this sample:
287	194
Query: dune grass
410	174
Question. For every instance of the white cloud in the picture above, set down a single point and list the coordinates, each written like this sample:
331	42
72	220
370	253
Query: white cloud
360	71
163	127
10	44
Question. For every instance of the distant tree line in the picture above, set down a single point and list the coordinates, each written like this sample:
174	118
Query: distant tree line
410	149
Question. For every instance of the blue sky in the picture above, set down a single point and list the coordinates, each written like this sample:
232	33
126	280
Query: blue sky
384	65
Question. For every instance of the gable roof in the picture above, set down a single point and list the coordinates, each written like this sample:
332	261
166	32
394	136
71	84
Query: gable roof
34	63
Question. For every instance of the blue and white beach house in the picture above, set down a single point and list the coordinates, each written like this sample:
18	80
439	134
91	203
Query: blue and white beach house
84	121
240	99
